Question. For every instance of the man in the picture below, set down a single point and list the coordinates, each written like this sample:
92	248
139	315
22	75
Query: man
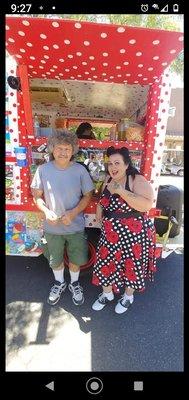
62	189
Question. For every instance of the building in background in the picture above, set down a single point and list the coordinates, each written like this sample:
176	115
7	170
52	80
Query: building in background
174	139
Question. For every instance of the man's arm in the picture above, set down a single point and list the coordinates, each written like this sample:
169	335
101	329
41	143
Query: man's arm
40	203
38	199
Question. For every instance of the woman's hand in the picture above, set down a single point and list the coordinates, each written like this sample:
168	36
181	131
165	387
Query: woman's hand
114	187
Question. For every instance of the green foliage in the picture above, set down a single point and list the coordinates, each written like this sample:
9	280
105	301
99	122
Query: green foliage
101	132
80	17
72	128
177	65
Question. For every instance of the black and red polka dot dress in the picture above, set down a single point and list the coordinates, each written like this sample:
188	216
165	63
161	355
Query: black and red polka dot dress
126	248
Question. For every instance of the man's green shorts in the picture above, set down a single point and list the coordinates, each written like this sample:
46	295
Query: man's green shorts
76	247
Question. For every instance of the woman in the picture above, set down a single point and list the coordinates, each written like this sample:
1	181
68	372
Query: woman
126	249
85	131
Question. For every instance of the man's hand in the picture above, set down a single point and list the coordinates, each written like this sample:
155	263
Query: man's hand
68	217
51	217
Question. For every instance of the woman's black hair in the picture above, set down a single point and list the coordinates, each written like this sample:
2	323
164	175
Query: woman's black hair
81	128
124	152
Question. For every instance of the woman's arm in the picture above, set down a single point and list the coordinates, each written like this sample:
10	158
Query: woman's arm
141	199
99	210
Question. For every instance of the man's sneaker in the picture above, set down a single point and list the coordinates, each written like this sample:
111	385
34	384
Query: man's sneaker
101	302
55	292
77	293
123	305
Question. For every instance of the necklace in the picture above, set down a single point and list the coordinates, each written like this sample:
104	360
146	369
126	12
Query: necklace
118	185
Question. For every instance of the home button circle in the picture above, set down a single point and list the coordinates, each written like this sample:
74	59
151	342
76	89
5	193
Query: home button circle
94	385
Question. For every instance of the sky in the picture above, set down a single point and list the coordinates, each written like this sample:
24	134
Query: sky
176	81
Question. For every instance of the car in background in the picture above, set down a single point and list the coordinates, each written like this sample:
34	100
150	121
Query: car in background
172	169
175	169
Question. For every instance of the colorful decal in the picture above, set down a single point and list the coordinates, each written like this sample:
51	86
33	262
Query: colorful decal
39	156
24	231
9	184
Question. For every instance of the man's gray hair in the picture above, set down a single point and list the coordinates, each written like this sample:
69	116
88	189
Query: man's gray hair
61	136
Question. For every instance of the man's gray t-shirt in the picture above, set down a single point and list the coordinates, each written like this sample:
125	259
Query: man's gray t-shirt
63	190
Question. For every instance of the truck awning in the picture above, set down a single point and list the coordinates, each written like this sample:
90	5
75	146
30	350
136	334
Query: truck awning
72	50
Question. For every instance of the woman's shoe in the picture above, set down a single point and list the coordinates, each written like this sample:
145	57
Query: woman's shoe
123	304
101	302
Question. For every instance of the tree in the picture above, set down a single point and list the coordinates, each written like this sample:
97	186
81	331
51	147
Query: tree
177	65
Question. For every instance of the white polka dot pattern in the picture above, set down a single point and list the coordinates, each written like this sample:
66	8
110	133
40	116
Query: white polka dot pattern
156	122
126	248
12	126
160	129
154	48
106	102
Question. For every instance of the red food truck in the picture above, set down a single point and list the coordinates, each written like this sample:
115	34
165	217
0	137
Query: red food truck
63	72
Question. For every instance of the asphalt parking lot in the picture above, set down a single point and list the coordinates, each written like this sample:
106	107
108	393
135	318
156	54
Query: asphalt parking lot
149	337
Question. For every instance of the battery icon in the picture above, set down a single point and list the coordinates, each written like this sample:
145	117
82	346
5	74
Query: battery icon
175	7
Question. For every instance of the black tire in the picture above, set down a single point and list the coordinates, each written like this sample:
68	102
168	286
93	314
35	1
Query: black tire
170	201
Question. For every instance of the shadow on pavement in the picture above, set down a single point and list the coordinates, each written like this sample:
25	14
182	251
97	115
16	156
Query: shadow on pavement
148	338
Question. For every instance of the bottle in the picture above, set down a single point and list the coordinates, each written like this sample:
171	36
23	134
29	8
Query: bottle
122	127
60	122
112	132
21	159
121	130
36	126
